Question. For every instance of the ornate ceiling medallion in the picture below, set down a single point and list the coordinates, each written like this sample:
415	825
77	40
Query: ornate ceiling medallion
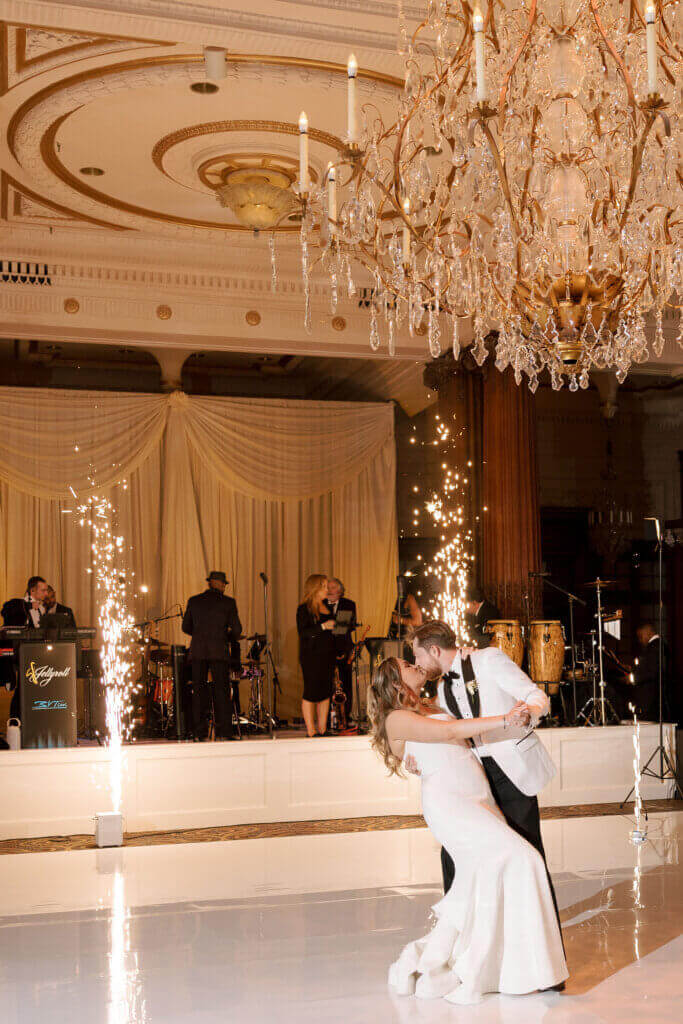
256	187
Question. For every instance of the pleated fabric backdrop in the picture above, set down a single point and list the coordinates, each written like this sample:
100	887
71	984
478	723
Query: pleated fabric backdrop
247	486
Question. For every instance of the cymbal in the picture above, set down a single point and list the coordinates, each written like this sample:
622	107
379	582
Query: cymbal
601	583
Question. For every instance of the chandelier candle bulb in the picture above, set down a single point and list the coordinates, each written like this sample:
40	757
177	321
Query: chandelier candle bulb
651	34
303	153
480	60
332	198
352	71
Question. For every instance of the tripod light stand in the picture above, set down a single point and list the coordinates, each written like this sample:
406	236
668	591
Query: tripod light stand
666	770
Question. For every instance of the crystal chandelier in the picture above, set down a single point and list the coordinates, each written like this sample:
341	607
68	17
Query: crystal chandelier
532	180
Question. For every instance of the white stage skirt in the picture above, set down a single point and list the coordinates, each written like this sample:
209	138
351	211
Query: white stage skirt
168	786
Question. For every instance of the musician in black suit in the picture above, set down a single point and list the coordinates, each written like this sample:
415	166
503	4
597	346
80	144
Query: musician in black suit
212	620
25	612
53	607
343	644
644	680
479	612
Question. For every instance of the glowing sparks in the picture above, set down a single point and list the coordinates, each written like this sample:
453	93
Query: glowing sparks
639	833
116	626
450	567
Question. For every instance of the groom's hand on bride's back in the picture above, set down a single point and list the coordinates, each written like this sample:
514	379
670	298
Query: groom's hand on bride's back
410	765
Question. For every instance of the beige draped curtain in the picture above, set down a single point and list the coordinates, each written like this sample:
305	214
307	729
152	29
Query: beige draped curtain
281	487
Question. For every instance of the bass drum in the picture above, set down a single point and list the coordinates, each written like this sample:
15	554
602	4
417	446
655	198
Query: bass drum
546	653
507	635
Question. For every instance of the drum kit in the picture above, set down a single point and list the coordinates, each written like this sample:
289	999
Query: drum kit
162	702
555	664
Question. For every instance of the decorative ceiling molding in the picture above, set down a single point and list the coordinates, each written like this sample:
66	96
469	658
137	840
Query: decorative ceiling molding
14	196
27	51
161	15
32	130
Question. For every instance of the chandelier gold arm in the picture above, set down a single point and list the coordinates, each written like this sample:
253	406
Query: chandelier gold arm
482	115
615	56
508	74
651	117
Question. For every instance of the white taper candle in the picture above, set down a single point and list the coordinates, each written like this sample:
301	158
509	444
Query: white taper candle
332	199
651	36
303	153
405	245
352	71
479	56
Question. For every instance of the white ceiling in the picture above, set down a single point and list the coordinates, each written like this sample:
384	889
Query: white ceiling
143	254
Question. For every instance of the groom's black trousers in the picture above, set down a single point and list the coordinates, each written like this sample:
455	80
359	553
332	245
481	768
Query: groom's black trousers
519	810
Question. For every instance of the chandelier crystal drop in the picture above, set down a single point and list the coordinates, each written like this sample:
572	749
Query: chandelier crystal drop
532	181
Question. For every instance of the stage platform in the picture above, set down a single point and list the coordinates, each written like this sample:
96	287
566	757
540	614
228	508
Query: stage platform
169	786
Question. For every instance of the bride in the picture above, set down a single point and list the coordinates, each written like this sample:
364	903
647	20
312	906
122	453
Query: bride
496	928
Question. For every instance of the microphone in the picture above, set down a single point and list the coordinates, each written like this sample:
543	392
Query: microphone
263	577
534	575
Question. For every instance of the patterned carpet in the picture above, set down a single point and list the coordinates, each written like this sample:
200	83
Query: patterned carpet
299	828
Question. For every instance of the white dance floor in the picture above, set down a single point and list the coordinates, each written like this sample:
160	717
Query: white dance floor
301	930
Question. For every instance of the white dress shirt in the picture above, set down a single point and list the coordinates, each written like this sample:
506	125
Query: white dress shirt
460	693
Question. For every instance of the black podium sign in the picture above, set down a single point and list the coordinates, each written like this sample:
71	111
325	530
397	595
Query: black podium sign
47	672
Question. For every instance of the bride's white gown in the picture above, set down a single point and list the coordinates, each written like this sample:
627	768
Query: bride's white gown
496	930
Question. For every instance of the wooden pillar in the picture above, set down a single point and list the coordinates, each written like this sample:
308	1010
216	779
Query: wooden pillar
459	387
511	544
496	425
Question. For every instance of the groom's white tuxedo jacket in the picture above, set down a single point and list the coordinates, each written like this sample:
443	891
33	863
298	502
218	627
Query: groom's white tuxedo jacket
501	684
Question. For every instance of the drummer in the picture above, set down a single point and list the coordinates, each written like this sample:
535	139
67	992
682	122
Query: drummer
479	612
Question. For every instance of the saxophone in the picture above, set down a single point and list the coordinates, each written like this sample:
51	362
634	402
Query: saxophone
338	706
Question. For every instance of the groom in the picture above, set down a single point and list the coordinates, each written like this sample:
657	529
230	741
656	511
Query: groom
515	761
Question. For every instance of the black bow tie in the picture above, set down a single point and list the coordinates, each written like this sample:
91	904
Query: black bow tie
451	676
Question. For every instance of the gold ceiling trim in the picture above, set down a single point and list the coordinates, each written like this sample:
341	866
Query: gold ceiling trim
4	58
7	182
48	152
284	164
177	58
216	127
21	63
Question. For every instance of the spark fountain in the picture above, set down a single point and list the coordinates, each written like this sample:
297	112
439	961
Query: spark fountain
639	833
116	628
450	567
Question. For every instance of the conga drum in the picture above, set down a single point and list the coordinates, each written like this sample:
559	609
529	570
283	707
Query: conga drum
546	653
506	634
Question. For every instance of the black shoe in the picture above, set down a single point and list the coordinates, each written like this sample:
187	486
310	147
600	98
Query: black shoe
554	988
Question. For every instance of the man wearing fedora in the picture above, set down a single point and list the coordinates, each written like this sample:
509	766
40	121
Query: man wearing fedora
212	621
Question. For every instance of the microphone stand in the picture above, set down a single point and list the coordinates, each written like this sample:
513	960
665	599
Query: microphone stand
572	598
666	772
272	680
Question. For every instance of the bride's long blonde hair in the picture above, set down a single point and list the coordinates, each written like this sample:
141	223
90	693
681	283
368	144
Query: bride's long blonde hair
387	692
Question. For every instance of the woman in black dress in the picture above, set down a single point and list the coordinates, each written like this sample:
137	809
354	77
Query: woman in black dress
316	654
